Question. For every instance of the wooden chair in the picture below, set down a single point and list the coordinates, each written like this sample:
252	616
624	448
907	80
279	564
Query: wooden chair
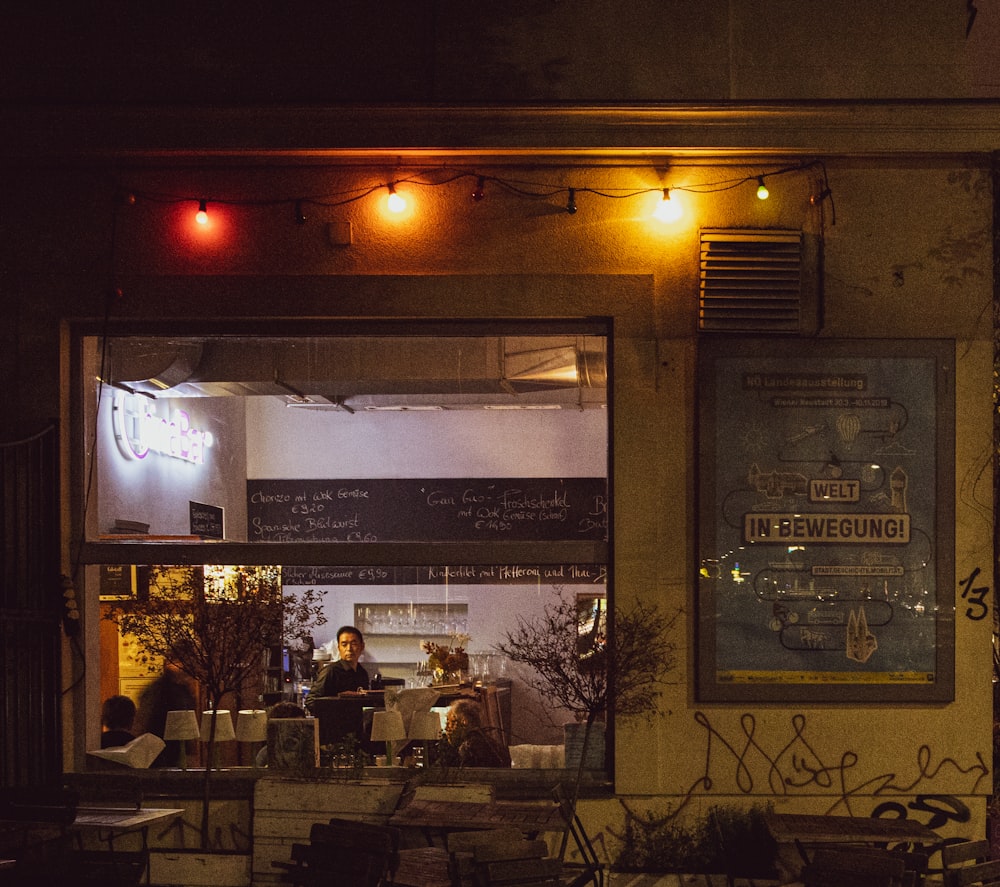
847	868
737	856
916	863
461	847
979	873
961	854
589	870
423	867
345	852
523	863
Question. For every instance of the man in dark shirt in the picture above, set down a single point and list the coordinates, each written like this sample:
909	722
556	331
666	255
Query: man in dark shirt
345	673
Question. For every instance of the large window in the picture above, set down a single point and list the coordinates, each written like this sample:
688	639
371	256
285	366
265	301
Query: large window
432	481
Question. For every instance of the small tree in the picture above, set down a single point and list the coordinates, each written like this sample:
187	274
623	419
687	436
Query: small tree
216	631
592	673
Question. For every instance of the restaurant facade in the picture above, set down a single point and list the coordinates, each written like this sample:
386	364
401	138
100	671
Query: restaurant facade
772	415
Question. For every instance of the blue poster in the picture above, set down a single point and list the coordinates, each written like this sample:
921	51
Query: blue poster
825	543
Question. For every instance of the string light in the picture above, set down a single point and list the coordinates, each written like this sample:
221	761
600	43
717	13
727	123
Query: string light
396	202
668	210
669	207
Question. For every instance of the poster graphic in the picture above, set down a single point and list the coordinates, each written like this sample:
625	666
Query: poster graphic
825	520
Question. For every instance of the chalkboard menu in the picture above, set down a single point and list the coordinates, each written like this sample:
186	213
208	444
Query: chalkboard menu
436	510
465	574
207	521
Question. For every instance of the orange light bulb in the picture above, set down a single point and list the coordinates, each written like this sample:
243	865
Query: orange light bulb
396	202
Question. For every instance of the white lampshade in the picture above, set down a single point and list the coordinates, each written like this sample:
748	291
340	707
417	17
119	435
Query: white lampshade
223	726
387	726
251	725
181	724
425	725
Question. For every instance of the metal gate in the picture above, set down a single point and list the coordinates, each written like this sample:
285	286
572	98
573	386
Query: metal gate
31	607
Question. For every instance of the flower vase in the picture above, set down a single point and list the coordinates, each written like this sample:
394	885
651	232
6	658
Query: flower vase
446	677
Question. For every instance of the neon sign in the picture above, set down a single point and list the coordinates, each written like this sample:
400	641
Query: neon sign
139	431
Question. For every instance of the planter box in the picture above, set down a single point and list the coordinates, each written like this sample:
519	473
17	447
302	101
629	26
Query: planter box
177	868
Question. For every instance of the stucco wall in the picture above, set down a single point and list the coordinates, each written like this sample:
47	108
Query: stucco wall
512	257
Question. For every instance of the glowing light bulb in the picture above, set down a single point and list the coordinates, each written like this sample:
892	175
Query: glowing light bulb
396	202
669	209
762	192
201	217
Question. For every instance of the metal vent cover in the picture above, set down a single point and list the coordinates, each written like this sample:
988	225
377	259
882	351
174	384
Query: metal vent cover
752	280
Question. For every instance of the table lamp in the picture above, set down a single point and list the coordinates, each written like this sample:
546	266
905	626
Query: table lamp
251	727
425	726
224	731
181	725
387	726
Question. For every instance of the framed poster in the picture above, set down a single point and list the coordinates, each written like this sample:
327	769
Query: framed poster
826	520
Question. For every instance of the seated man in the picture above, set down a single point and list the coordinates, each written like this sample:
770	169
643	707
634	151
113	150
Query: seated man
117	718
467	742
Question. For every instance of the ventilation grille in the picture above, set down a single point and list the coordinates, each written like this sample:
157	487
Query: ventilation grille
750	280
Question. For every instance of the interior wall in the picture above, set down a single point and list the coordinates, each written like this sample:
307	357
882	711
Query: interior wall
290	443
294	443
157	489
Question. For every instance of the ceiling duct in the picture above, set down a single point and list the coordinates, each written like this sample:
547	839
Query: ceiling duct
558	366
366	372
152	365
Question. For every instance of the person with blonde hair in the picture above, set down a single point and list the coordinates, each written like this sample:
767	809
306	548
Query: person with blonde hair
468	741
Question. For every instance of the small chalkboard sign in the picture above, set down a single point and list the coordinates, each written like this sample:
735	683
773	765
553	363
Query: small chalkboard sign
207	521
117	582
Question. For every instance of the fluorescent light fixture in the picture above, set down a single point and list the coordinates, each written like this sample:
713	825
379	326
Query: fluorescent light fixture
521	406
400	408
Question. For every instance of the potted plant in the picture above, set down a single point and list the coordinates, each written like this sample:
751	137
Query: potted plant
573	660
215	632
728	839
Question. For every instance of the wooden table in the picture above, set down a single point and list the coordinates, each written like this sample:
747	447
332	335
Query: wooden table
436	817
111	823
449	816
790	828
796	834
118	820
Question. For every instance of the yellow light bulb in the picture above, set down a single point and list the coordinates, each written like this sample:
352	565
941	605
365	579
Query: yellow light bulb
669	209
762	192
